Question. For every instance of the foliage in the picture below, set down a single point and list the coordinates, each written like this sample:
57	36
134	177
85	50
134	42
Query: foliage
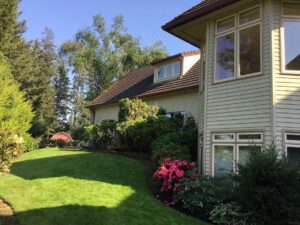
231	214
103	134
136	109
268	186
184	144
170	150
11	146
30	143
68	187
202	194
81	133
172	172
47	142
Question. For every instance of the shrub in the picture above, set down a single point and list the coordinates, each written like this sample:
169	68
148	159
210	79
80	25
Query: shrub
183	142
231	214
81	133
268	186
102	135
11	146
30	143
202	194
171	173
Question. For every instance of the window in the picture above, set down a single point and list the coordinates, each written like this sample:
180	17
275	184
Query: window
291	37
292	142
169	70
238	45
232	148
177	115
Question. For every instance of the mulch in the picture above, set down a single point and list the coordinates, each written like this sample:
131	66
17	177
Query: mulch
6	214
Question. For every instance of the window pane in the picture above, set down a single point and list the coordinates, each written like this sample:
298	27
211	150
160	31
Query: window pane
293	137
249	136
224	137
161	72
245	150
225	24
225	57
177	68
169	72
292	44
249	16
293	154
223	159
291	9
250	50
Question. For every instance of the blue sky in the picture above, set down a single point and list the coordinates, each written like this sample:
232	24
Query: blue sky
142	18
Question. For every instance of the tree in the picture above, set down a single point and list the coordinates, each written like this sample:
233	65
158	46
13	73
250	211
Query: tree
62	95
100	56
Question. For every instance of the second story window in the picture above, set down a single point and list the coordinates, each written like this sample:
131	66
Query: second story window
291	37
169	70
238	45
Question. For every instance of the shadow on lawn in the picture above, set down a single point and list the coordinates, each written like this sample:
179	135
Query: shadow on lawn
107	168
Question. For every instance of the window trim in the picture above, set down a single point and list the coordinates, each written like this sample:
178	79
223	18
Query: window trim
246	141
156	77
282	37
236	30
224	141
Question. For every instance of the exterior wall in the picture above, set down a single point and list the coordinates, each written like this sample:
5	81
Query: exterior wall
189	62
183	101
238	105
286	86
107	112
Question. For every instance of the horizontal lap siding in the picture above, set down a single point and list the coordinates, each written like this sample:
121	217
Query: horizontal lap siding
287	87
243	104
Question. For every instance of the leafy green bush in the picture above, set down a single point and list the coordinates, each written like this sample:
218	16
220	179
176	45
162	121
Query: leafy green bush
102	135
81	133
202	194
30	143
268	186
231	214
11	146
186	139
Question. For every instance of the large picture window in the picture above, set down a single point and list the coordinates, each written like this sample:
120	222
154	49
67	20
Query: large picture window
238	45
291	37
229	149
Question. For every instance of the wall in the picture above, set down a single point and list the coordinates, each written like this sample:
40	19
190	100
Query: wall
108	112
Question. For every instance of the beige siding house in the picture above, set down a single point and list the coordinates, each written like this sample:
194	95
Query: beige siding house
249	80
171	83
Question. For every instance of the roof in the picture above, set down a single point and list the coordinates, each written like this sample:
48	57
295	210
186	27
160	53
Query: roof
139	84
183	54
202	9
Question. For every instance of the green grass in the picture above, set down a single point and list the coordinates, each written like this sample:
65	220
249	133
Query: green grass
55	187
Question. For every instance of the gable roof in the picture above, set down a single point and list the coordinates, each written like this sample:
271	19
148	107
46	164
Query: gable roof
199	10
139	84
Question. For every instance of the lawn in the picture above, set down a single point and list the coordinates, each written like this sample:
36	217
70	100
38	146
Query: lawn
55	187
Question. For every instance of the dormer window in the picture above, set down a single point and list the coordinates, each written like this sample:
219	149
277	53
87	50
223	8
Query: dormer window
169	70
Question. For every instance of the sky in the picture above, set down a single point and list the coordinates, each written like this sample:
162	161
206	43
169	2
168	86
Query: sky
143	19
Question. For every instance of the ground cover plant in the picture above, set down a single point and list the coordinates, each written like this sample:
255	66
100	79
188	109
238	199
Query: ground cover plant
51	186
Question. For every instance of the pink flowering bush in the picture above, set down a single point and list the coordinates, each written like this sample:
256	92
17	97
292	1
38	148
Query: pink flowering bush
172	172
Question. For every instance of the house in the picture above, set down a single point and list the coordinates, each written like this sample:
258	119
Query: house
250	77
171	83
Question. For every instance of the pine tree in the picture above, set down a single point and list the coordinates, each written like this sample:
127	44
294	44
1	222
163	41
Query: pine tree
62	95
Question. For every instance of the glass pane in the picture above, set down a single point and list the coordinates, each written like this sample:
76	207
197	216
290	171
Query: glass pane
161	72
224	137
293	137
292	44
249	136
291	9
249	16
169	68
225	57
244	152
223	159
225	24
177	68
293	154
250	50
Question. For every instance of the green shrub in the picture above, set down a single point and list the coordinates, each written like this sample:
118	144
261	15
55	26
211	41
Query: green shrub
186	139
11	146
231	214
81	133
268	186
30	143
202	194
102	135
171	151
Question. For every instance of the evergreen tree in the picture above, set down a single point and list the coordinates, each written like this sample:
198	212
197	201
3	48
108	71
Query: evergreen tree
62	95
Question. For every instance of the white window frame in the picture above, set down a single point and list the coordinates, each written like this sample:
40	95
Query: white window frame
290	143
282	35
156	71
236	30
235	143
